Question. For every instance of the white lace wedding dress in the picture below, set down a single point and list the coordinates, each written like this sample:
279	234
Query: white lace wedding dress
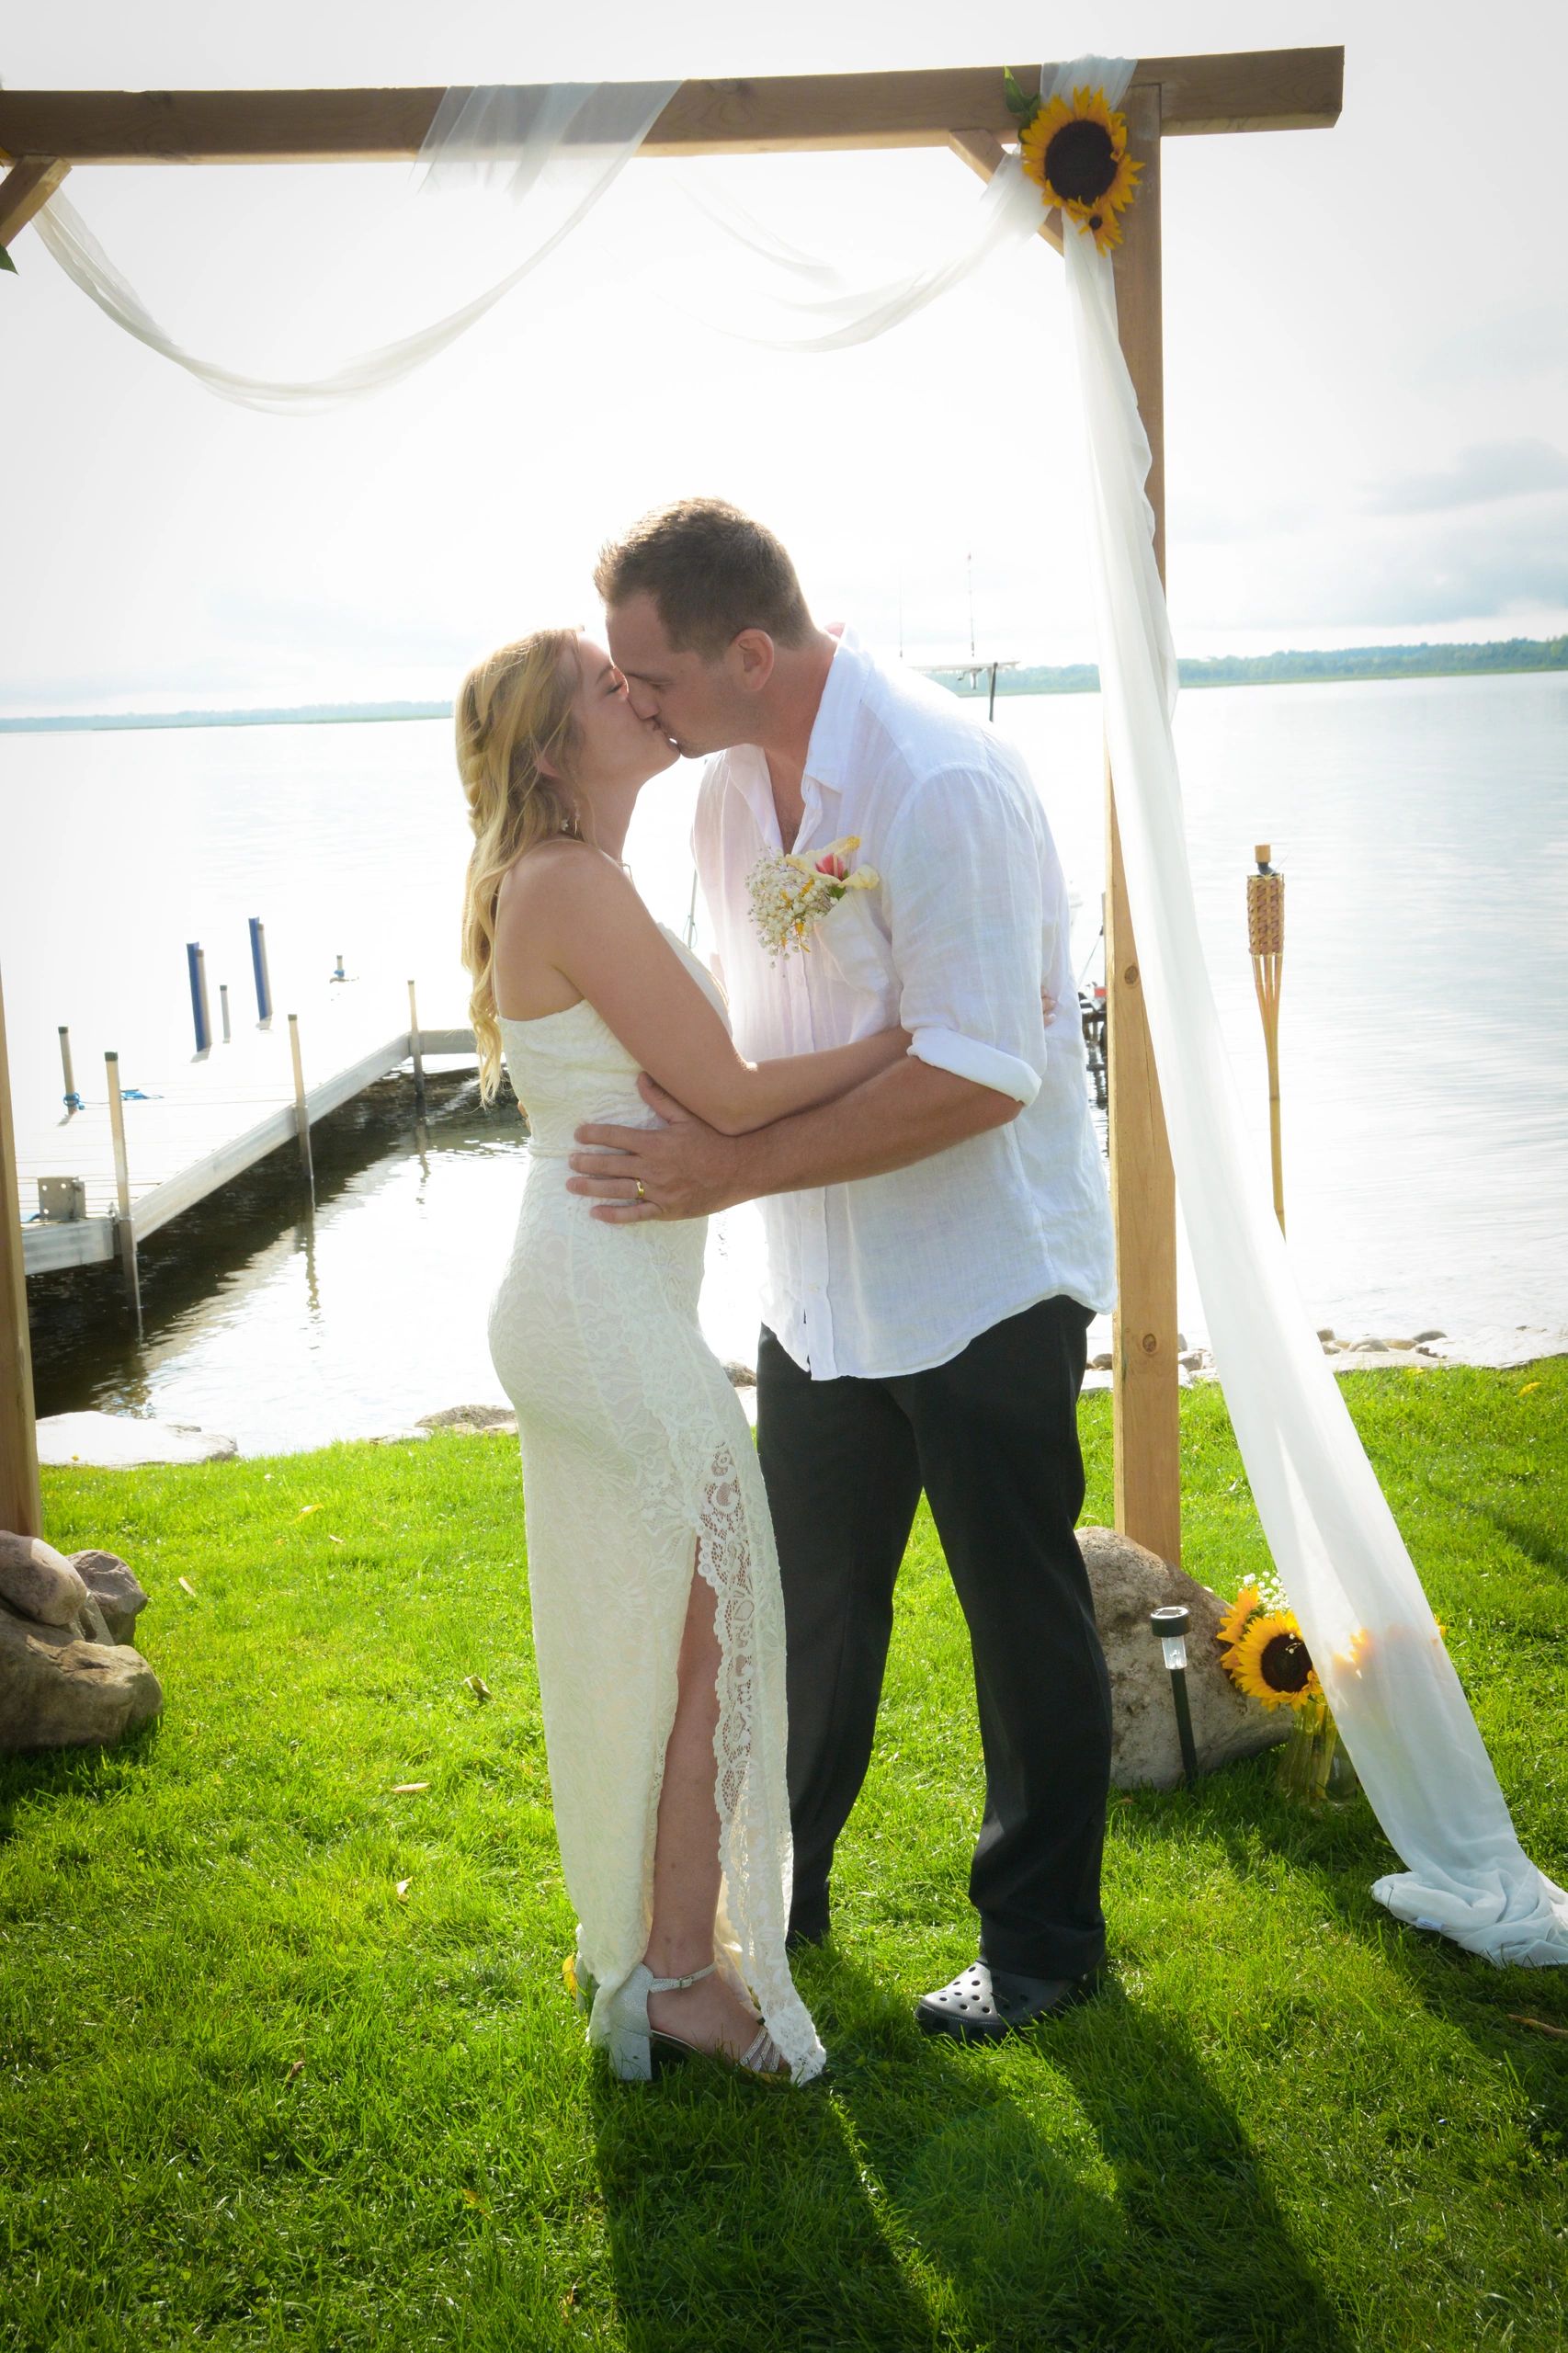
638	1468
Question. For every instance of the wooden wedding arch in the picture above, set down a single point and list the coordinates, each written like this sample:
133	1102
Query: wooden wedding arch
44	132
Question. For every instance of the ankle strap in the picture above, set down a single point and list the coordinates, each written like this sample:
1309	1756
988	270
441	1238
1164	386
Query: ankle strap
678	1984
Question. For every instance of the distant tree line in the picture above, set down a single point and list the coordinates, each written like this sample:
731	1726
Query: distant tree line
1295	667
1504	654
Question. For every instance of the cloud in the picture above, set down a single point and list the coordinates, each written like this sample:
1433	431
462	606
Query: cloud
1499	350
1487	470
1400	574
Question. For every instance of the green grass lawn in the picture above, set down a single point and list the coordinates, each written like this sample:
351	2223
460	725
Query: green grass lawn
249	2096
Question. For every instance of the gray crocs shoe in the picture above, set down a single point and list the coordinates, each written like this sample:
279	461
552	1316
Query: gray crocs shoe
986	2005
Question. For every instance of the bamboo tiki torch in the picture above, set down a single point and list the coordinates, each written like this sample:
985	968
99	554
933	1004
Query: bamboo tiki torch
1265	937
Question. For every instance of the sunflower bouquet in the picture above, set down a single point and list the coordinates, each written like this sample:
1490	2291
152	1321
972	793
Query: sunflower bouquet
1262	1651
1075	150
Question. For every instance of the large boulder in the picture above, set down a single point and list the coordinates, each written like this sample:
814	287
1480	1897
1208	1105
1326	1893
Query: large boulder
38	1581
1128	1582
59	1690
66	1679
116	1592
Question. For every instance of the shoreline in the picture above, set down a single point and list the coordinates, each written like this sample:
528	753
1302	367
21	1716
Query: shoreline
1513	657
91	1440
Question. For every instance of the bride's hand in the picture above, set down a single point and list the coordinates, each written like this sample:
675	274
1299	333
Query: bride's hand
685	1168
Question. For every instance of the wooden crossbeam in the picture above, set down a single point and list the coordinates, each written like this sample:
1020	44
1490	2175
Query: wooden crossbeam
1280	89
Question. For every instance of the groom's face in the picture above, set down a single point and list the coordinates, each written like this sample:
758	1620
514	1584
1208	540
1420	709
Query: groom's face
695	701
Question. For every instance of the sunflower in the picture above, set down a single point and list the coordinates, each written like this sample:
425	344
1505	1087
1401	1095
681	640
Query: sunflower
1272	1663
1354	1648
1078	154
1233	1625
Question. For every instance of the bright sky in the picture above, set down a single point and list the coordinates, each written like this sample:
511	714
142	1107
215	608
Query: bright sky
1365	351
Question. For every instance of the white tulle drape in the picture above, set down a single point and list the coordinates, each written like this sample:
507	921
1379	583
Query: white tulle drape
1373	1639
790	301
553	151
1340	1556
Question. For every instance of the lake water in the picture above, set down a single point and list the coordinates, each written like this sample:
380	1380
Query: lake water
1421	826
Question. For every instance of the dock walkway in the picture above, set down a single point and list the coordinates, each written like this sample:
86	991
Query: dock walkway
193	1130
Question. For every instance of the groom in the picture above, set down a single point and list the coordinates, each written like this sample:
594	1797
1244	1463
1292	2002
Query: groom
936	1241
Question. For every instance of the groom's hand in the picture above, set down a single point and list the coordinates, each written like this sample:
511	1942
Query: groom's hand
685	1168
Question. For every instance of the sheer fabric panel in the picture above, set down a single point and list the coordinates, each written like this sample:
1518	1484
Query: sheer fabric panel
552	152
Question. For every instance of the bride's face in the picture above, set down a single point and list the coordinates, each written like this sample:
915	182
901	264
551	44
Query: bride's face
615	748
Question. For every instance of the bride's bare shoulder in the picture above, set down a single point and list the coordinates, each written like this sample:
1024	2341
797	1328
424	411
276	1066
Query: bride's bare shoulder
561	873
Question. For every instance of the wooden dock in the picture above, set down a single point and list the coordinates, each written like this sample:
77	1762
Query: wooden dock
189	1132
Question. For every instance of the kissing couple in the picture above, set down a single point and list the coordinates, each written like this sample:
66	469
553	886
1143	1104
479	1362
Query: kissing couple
888	1058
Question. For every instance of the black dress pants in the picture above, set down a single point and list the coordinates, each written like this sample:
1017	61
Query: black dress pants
993	1438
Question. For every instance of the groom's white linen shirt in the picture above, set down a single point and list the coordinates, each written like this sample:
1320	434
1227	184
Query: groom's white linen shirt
893	1274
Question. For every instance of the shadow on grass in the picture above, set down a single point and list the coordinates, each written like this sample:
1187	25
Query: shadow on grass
1340	1850
84	1772
1534	1538
1102	2193
1087	2187
738	2215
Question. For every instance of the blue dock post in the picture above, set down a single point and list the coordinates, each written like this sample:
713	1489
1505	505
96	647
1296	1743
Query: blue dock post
198	963
258	966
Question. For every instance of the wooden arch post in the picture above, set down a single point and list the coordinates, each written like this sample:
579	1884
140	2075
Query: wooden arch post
44	132
1142	1182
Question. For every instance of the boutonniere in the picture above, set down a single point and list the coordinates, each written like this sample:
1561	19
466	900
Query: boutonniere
790	894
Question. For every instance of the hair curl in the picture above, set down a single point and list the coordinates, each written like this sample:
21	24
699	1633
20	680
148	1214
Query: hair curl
513	711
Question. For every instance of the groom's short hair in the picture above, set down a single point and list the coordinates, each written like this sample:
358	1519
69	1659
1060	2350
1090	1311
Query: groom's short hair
711	573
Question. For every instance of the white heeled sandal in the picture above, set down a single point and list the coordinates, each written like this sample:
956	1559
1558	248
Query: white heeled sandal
636	2049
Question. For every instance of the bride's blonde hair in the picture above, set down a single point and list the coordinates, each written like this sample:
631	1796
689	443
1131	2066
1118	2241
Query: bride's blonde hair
513	709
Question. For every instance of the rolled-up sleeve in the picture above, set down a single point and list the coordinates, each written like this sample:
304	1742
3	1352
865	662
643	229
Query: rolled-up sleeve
961	870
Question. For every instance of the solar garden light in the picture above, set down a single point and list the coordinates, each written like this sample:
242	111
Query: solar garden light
1170	1622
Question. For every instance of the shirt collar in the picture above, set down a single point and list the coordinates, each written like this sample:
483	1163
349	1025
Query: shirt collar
830	750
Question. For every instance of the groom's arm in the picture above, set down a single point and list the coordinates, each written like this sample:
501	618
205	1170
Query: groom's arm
689	1169
961	869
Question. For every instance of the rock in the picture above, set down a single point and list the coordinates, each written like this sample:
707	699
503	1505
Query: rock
470	1419
1370	1347
94	1625
1421	1337
1503	1347
1328	1332
398	1438
38	1581
121	1441
63	1689
116	1591
1193	1359
741	1376
1127	1582
1102	1363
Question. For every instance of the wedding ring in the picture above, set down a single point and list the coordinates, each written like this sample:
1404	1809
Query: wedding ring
641	1190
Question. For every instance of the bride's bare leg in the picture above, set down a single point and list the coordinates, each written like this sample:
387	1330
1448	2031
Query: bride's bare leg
686	1857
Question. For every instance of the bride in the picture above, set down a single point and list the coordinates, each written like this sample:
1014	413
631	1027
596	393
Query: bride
652	1577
